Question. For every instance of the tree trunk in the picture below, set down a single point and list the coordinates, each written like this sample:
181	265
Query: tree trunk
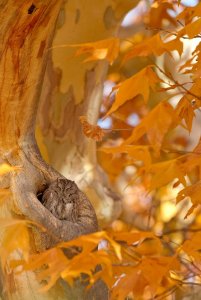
27	30
26	35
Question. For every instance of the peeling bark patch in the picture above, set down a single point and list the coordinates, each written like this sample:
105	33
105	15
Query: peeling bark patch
109	18
61	18
61	130
77	16
41	49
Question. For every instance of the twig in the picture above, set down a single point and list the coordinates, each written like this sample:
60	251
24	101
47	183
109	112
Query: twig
175	81
182	230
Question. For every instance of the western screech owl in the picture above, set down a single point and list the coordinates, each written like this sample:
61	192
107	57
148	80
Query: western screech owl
60	199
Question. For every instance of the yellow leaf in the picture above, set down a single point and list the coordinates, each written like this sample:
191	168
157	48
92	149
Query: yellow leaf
104	274
90	241
132	237
185	111
192	246
154	45
164	172
58	265
130	281
192	29
154	270
160	12
193	192
190	12
155	125
89	262
6	168
138	84
104	49
137	152
55	262
150	273
16	237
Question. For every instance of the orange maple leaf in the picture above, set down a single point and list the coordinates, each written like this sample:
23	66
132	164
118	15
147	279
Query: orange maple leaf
189	13
164	172
132	281
105	49
131	237
155	125
192	29
154	45
192	246
16	236
185	110
59	265
94	132
138	84
6	168
150	273
137	152
193	192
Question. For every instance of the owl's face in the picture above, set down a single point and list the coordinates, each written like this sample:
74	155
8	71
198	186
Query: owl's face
60	199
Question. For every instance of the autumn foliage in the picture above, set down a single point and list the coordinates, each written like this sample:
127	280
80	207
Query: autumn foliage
150	147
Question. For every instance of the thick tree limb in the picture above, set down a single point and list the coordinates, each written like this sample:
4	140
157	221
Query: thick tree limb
26	34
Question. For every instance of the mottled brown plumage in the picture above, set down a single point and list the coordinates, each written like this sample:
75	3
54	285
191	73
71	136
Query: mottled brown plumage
61	199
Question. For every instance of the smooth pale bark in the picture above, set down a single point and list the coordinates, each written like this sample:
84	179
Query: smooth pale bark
73	88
